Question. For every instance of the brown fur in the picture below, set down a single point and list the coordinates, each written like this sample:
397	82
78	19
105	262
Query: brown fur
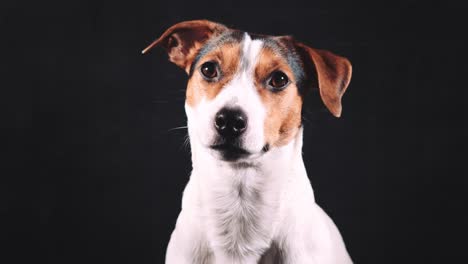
283	116
227	56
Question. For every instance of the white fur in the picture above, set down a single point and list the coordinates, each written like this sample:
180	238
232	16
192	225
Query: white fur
234	212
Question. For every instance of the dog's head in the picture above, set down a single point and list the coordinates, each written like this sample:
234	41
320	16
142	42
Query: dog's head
245	91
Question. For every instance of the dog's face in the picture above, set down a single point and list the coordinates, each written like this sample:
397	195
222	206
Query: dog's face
244	94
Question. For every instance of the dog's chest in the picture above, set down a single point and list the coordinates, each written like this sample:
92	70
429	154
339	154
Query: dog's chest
239	215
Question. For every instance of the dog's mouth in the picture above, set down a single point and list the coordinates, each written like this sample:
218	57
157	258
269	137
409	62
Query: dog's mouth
234	152
230	152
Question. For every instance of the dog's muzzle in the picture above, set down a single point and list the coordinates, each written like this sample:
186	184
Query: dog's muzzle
230	124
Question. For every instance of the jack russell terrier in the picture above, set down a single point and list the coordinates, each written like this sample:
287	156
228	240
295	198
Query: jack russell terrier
249	199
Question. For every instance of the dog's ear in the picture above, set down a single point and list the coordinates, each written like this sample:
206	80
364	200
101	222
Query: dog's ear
333	74
183	40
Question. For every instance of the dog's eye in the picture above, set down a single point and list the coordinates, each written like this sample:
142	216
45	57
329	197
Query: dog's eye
209	70
278	80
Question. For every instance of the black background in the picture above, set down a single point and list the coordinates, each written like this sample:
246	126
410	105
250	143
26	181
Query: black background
94	173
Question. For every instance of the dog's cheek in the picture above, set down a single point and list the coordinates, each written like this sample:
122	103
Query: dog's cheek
192	95
292	116
204	115
272	121
283	116
191	122
290	123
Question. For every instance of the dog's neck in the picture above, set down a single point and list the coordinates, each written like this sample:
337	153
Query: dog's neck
238	201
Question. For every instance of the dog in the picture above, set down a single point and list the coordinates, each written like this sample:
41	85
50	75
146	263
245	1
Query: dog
249	199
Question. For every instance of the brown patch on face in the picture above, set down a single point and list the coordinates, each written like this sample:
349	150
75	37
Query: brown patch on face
283	117
227	56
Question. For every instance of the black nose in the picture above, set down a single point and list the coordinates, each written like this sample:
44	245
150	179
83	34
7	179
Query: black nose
230	123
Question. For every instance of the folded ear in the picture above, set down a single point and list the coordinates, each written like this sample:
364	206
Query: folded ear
333	74
183	40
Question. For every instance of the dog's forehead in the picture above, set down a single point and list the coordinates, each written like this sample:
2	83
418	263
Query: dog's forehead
250	46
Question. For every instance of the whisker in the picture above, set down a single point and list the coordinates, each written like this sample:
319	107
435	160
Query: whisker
186	143
176	128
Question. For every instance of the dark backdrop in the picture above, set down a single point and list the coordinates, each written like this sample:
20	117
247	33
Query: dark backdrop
94	173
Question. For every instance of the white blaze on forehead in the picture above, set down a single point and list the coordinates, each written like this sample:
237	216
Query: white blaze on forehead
241	90
244	90
250	51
